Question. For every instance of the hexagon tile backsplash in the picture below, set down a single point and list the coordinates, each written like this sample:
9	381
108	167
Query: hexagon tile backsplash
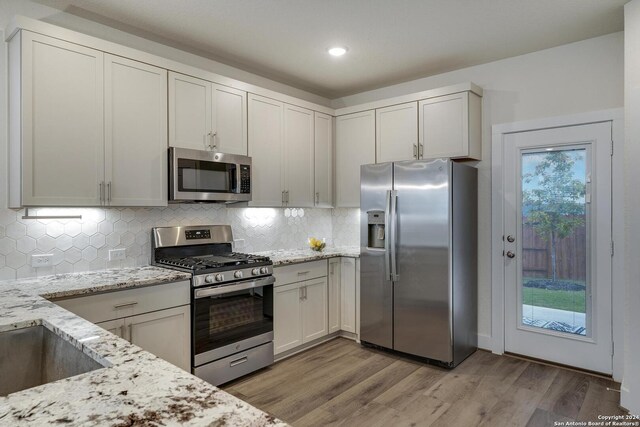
84	244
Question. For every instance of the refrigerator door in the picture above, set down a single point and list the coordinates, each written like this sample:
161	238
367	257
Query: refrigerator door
422	291
376	288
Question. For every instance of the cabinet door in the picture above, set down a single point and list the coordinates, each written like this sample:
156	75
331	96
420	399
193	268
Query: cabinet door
164	333
348	294
135	133
298	155
287	328
116	327
62	123
189	112
444	126
323	160
265	148
314	309
355	146
397	133
229	120
334	296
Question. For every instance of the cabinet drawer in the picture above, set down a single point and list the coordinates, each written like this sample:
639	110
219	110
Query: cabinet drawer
130	302
299	272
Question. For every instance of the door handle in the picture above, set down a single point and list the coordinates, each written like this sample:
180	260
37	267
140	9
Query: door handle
238	361
510	254
387	240
511	239
394	235
126	304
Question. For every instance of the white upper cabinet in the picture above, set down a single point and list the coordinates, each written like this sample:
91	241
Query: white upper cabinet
57	121
355	146
323	164
397	133
450	126
135	133
206	116
229	121
298	156
266	141
189	112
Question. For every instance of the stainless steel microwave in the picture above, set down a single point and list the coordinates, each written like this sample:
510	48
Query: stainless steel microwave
207	176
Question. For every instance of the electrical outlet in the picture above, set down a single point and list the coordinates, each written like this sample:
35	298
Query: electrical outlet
117	254
42	260
238	244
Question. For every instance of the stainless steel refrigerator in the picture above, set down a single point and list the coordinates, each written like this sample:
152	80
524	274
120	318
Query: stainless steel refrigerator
418	262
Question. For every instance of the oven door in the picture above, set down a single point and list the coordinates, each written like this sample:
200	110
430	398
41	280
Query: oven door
206	176
231	318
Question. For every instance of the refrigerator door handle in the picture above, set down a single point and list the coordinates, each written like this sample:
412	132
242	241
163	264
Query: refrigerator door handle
393	234
387	239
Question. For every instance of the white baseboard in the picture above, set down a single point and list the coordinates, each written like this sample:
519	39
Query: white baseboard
485	342
628	401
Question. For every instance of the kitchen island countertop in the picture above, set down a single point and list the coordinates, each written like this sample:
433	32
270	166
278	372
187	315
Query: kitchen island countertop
134	388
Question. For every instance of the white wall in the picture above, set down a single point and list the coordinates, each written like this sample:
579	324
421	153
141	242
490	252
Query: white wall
32	9
630	398
574	78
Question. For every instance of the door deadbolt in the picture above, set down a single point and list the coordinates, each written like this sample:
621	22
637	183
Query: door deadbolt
511	239
511	254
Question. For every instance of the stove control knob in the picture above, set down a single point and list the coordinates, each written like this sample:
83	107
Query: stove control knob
209	278
219	277
255	271
238	274
264	270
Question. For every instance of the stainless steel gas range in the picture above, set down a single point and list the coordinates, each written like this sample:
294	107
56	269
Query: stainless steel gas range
231	299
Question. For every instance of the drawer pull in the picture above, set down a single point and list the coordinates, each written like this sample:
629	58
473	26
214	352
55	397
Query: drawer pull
302	273
238	361
128	304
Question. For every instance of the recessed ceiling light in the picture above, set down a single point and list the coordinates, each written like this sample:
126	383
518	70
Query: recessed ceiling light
337	51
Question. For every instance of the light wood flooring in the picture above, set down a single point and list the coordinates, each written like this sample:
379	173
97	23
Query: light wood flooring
342	383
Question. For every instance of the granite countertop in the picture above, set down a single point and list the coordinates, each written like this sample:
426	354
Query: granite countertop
292	256
134	388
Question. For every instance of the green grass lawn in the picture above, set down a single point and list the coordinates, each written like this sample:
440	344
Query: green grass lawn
562	300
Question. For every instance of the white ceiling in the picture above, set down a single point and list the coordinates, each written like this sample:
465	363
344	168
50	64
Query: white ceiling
389	41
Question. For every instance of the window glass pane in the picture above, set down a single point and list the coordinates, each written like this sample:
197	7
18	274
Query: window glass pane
554	233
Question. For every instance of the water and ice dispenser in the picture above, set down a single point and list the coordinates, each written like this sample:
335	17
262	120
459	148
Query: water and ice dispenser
376	229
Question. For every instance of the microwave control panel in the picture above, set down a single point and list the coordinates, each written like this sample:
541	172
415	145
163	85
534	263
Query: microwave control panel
245	179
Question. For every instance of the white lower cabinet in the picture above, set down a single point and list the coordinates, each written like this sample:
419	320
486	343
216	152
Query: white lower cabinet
155	318
300	311
325	303
165	333
334	295
348	295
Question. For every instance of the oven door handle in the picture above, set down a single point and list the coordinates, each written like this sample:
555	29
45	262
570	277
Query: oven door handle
225	289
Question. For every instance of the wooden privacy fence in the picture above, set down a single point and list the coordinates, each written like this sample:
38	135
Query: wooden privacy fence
571	260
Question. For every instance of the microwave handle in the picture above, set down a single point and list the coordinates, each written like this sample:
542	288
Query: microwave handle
238	183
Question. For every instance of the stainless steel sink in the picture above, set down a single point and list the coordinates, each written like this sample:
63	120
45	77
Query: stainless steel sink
34	356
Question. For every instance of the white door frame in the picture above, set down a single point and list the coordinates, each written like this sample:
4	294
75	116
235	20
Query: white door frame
615	116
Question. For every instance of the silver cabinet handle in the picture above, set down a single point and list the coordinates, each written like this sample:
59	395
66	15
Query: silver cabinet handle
101	191
130	333
283	197
301	291
305	293
126	304
415	151
109	191
212	140
302	273
317	198
238	361
123	332
287	196
421	151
